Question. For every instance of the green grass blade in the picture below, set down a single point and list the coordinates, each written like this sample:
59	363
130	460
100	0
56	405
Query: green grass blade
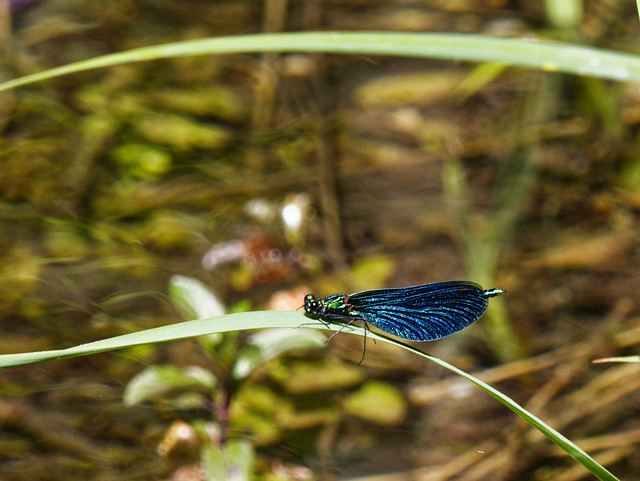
529	53
199	327
271	319
565	444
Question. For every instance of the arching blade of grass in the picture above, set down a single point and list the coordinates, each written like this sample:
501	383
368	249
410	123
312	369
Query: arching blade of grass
565	444
271	319
529	53
182	330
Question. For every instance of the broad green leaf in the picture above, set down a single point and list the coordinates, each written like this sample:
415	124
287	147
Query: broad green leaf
194	299
240	460
378	402
270	343
232	461
213	462
156	381
564	13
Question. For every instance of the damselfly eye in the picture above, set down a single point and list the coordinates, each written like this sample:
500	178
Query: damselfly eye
310	303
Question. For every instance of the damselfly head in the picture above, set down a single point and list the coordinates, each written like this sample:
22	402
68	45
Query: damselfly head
311	304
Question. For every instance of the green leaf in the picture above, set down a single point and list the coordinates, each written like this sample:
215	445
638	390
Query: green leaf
213	462
194	299
156	381
271	343
319	375
232	461
370	272
564	13
240	460
378	402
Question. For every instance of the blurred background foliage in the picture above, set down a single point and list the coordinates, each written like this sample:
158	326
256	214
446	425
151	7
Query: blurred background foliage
270	176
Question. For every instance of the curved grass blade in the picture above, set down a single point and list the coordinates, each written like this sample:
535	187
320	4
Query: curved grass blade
182	330
530	53
264	319
564	443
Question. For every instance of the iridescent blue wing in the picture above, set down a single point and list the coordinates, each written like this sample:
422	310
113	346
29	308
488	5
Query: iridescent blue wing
422	313
417	296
